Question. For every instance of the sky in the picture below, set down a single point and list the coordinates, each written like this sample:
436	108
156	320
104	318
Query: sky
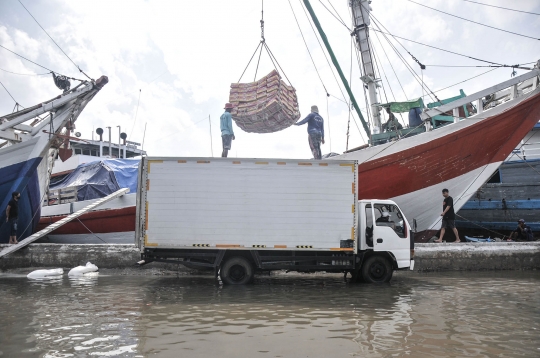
180	57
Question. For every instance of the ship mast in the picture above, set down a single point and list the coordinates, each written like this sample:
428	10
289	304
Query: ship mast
361	21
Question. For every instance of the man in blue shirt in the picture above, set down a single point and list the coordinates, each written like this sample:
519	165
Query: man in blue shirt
315	131
227	134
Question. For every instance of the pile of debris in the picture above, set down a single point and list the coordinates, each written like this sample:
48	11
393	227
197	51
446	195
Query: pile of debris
265	106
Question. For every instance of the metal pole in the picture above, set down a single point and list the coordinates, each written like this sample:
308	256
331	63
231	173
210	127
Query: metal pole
144	136
211	146
110	146
119	143
360	10
336	65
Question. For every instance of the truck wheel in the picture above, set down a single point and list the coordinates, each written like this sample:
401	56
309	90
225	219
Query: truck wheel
377	269
236	271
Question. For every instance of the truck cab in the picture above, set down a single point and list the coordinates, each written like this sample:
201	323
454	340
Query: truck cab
384	238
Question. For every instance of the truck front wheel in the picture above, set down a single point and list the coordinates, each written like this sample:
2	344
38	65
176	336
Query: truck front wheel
377	269
236	271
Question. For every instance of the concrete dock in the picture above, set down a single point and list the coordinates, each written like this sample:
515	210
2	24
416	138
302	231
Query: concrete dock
428	257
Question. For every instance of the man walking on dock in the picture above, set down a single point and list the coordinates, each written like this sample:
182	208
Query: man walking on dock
12	214
315	131
448	216
227	134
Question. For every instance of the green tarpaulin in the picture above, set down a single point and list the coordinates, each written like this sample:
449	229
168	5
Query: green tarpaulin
400	107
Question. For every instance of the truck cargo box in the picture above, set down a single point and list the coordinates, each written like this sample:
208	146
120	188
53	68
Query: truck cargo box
247	203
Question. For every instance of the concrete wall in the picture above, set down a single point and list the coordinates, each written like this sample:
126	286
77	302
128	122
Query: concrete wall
428	257
477	256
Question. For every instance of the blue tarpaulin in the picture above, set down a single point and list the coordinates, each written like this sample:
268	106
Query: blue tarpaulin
101	178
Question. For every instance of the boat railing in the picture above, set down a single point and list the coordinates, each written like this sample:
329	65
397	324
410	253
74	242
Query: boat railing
61	196
489	98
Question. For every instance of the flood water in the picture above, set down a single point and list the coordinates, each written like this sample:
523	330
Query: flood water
492	314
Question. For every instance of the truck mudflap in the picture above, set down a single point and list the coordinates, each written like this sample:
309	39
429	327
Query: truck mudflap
411	267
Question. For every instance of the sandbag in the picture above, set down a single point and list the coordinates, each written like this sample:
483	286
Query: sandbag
265	106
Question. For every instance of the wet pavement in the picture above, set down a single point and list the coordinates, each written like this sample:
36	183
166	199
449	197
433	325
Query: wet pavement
469	314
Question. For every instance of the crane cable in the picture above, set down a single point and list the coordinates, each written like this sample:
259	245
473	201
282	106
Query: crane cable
264	45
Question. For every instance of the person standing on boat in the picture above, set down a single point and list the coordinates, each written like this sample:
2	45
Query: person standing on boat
315	131
392	124
12	214
227	134
448	216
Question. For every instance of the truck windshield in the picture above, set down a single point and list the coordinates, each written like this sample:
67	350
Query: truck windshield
389	215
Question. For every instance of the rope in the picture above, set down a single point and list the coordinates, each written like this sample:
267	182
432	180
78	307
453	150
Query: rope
136	112
307	48
513	66
533	168
249	62
480	226
414	74
505	8
337	13
257	68
17	103
26	74
437	48
322	49
91	231
328	116
331	13
37	64
478	23
455	84
377	60
393	70
54	41
263	43
388	82
273	58
262	40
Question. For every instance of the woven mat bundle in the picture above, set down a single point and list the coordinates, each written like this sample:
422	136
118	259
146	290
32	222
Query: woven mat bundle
265	106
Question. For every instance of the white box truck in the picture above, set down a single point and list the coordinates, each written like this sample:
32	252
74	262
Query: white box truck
242	216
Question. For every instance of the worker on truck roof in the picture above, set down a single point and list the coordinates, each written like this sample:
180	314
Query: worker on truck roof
315	131
227	134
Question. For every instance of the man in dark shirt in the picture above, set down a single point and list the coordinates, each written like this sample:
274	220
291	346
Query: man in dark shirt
448	216
12	214
315	131
523	232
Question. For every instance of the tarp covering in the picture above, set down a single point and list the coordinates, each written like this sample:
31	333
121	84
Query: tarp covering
401	107
101	178
265	106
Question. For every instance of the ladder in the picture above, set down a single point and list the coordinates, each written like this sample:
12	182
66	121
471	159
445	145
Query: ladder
56	225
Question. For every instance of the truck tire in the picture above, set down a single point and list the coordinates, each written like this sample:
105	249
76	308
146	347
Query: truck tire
377	269
236	271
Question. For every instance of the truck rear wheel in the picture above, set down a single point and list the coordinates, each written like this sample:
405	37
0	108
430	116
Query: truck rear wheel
236	271
377	269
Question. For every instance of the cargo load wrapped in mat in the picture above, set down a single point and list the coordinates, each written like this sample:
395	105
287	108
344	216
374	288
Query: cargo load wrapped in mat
265	106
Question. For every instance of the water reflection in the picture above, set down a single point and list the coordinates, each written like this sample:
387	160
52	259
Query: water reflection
314	316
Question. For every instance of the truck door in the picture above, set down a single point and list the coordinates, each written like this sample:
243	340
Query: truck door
391	233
